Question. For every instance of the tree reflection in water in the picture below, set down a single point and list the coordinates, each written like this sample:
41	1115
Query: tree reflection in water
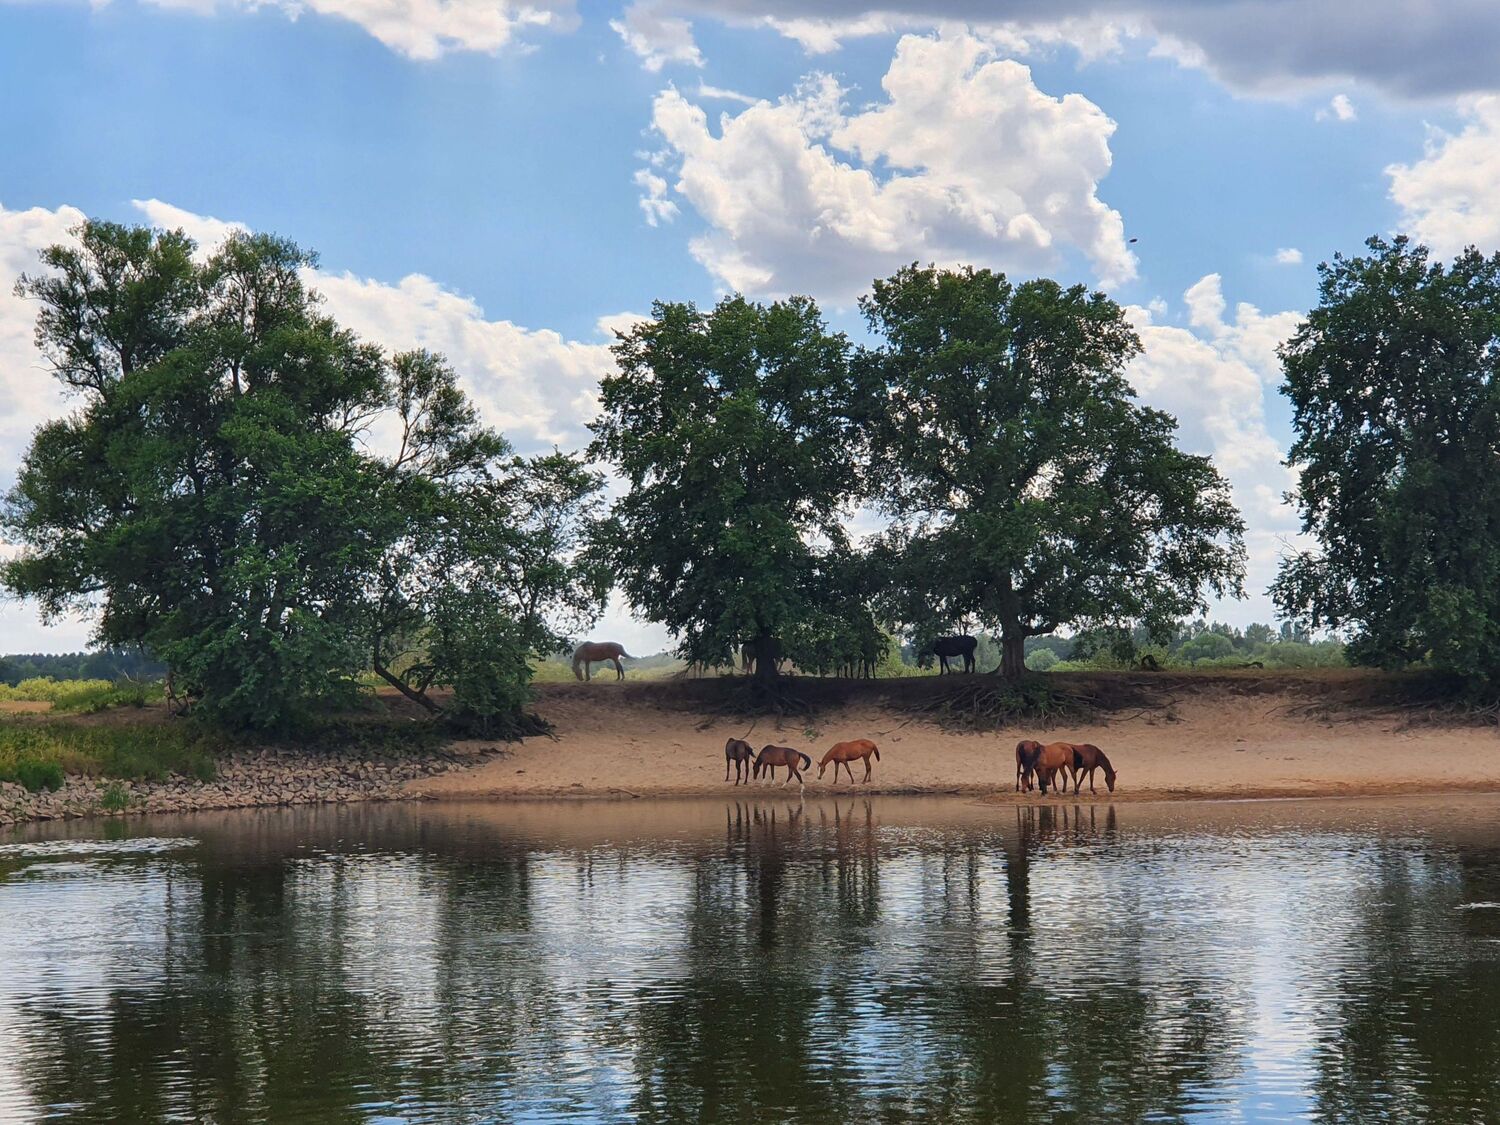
838	960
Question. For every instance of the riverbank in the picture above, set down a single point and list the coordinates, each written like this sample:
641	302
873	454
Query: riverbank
246	778
1170	738
1180	737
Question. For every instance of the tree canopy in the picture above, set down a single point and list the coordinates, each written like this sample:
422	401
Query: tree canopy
1027	488
732	430
1396	405
219	495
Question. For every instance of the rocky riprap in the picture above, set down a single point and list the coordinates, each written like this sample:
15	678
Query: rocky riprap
245	779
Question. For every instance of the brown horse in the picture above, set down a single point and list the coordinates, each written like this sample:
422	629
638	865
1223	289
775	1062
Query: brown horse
1052	759
770	757
845	752
586	655
1086	759
742	754
1026	751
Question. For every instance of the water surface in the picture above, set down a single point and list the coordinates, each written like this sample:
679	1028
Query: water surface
856	960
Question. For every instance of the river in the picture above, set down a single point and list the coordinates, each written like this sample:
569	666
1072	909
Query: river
881	959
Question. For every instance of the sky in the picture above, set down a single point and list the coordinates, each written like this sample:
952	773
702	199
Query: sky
509	182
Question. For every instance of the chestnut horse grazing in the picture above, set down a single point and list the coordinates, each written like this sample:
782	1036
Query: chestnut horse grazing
1051	759
1086	759
845	752
1026	751
596	652
742	754
770	757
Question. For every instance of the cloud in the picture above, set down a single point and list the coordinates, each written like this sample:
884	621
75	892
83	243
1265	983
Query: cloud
418	29
964	161
654	202
1289	256
29	395
1339	108
656	38
1451	197
1408	48
707	92
207	231
1215	378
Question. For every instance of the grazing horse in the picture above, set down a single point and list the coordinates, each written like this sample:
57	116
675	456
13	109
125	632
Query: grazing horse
946	648
770	757
1026	753
1052	759
742	754
593	652
1086	759
845	752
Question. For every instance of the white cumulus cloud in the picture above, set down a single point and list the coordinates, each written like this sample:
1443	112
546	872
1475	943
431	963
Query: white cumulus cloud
1339	108
1289	256
964	161
1216	377
419	29
1451	197
657	38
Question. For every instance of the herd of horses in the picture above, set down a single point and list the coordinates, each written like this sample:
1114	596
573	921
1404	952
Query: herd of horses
1041	765
751	765
1038	766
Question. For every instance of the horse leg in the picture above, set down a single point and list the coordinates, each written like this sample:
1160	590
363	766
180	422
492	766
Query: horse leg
619	669
867	768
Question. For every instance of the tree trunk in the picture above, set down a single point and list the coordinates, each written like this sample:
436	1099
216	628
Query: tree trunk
418	697
1012	654
767	650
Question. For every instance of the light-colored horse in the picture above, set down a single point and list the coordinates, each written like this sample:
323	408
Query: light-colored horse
586	655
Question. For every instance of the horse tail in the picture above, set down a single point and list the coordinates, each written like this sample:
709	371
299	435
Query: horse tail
877	752
577	661
806	761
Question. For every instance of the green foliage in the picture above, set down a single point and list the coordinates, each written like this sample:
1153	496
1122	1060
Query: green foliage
115	798
1028	489
215	499
104	664
733	431
1396	403
39	754
35	774
81	695
1041	660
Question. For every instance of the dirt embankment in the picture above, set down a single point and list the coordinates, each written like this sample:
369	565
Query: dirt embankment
1170	737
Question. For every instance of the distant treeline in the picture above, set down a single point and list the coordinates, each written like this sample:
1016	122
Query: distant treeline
107	664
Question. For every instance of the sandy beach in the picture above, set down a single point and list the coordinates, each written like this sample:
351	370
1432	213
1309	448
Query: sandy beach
1209	743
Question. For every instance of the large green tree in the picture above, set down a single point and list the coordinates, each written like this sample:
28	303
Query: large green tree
732	430
214	495
1396	403
1027	488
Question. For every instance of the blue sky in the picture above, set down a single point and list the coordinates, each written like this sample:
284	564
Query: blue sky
492	180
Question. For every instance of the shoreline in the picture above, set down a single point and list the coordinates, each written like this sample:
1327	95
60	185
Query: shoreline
1219	739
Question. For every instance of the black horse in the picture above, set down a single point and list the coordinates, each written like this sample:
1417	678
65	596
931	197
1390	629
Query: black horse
945	648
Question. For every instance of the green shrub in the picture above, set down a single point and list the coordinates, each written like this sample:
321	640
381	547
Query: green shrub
35	774
39	754
115	798
81	695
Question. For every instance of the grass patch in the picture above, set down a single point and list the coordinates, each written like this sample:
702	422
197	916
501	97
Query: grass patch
82	696
39	754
